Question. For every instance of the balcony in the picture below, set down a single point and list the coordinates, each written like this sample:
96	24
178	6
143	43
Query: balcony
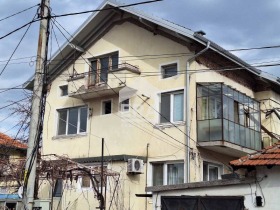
228	121
100	82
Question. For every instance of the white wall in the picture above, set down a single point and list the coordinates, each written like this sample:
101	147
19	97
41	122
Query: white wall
268	186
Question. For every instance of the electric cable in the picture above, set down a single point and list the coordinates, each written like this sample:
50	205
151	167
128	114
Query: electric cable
19	12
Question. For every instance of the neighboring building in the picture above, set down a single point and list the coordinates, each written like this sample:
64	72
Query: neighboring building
12	159
258	186
172	106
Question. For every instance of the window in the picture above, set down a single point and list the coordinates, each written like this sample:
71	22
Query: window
107	107
101	66
225	114
211	171
72	120
125	105
169	70
168	173
86	182
63	90
58	188
172	107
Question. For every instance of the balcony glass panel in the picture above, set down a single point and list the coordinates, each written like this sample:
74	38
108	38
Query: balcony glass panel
204	130
242	136
226	130
240	114
202	104
236	134
202	91
215	130
231	131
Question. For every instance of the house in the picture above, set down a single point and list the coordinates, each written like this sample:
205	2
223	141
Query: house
256	186
12	160
172	106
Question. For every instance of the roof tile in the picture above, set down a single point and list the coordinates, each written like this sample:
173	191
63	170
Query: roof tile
7	141
266	157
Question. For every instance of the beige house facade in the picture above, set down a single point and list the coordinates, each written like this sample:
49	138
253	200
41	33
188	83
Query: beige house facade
172	106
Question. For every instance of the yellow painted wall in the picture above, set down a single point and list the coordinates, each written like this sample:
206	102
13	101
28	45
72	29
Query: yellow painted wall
128	133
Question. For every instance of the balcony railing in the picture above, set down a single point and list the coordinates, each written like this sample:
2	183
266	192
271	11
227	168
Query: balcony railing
100	83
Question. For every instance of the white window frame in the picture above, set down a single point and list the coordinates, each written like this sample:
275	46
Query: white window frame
122	106
165	170
210	163
172	93
166	66
102	113
67	118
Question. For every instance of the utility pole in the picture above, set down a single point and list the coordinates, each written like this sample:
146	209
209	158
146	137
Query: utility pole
36	121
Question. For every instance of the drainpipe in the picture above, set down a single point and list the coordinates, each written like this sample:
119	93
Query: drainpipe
187	114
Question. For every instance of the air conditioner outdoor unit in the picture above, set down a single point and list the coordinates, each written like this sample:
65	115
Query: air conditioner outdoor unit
135	166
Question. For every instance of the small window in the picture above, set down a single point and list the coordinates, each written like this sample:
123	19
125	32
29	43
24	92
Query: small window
63	90
211	171
86	182
169	70
172	107
58	188
168	173
125	105
72	120
107	107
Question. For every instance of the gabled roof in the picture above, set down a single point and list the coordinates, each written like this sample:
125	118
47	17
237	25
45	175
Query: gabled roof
6	141
94	26
270	156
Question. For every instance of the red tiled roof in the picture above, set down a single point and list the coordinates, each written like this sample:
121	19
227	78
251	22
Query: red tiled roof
10	142
270	156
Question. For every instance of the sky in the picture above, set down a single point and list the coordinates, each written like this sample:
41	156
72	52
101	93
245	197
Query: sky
231	24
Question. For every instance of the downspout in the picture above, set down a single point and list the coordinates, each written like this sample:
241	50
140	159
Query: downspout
187	114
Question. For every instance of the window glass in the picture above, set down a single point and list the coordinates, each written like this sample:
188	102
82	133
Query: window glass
226	130
62	121
178	107
213	172
215	89
63	90
157	174
125	105
236	134
202	91
85	182
104	64
115	61
107	107
169	70
83	119
94	71
202	105
165	108
215	107
216	129
203	130
73	121
175	173
58	188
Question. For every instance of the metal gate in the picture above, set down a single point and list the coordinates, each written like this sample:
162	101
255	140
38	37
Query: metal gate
202	203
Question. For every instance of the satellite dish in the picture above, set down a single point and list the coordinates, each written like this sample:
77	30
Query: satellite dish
20	191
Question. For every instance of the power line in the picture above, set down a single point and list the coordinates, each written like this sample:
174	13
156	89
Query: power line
21	27
19	12
104	9
16	47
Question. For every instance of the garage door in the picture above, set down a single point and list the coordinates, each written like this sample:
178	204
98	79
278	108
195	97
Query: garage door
202	203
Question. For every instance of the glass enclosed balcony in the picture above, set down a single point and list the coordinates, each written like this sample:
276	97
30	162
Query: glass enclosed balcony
226	115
